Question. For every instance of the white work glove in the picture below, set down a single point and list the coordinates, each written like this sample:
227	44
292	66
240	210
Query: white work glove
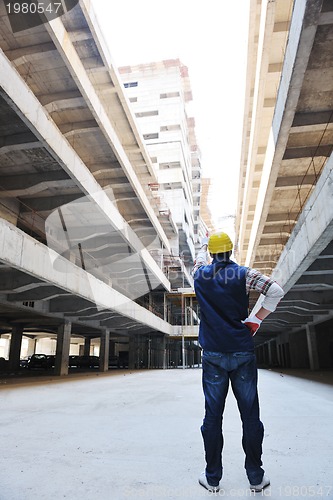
204	241
253	324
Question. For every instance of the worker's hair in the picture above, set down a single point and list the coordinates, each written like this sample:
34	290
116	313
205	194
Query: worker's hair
222	256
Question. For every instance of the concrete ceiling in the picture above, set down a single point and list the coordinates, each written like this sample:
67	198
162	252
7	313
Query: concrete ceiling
286	163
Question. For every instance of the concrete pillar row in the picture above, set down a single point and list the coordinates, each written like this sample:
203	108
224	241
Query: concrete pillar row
15	347
311	336
62	352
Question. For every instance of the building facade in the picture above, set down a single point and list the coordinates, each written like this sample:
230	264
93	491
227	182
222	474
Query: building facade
159	94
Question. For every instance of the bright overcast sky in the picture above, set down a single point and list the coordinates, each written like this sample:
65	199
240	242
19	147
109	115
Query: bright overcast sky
210	38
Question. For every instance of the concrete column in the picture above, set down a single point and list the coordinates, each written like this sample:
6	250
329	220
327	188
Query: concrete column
62	352
149	353
131	353
164	353
183	352
104	351
270	356
311	337
15	347
86	348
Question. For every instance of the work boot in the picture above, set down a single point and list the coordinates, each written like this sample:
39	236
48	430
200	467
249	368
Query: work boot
203	481
259	487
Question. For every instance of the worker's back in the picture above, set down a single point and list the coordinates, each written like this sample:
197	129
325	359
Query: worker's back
221	292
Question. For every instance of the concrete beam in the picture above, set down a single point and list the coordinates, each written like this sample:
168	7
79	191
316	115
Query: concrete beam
20	147
20	54
58	96
74	304
77	127
282	217
21	182
39	188
65	104
301	307
295	180
281	26
22	138
80	234
100	169
324	266
38	318
312	233
281	240
14	281
307	152
47	203
282	231
24	253
41	293
312	118
105	89
80	35
316	279
326	18
327	252
313	297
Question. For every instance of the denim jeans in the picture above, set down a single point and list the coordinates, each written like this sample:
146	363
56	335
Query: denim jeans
241	369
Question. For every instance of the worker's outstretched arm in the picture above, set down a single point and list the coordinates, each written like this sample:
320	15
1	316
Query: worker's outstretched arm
202	256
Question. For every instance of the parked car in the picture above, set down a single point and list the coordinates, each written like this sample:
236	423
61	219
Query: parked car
113	362
41	361
73	361
3	364
123	359
88	362
24	362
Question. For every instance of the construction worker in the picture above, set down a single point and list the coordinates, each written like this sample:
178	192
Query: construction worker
225	335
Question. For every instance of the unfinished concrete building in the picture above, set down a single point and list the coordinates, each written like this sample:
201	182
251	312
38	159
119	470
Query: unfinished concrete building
285	206
85	247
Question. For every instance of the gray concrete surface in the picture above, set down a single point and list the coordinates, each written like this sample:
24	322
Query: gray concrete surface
132	435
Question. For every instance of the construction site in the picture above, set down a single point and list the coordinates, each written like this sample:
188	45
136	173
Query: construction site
101	189
103	207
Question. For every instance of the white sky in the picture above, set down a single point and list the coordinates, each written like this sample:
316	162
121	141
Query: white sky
210	38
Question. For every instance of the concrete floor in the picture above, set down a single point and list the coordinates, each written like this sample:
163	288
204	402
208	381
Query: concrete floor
133	435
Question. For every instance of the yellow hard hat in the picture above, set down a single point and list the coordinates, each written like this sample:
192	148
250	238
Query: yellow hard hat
219	243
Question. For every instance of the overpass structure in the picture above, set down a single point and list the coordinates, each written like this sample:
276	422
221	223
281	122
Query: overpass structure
83	234
284	224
